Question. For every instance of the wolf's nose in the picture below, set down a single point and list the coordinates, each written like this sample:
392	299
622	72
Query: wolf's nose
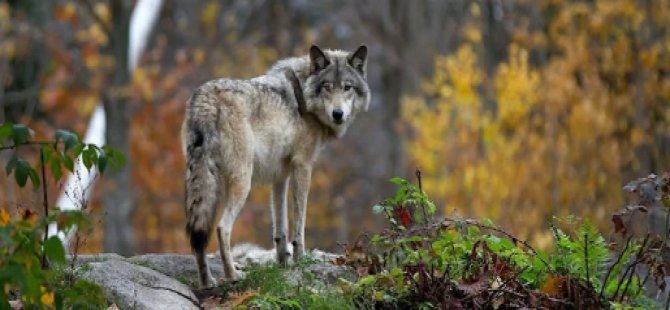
337	115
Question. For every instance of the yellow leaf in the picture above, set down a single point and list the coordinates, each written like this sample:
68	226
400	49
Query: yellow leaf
102	10
4	217
210	13
47	298
4	11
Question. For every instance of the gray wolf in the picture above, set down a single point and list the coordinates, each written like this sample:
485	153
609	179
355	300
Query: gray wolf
267	129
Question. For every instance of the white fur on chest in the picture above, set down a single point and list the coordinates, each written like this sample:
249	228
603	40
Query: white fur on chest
272	154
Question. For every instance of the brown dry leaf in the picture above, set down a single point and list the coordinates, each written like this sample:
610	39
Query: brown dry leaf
213	303
622	216
362	271
553	285
339	261
113	307
474	288
237	299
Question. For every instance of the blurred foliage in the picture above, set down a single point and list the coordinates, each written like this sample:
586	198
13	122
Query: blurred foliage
22	276
558	126
34	270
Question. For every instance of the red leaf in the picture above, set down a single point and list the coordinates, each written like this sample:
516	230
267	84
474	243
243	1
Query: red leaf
403	216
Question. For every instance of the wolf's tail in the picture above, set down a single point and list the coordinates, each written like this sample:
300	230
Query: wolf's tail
202	174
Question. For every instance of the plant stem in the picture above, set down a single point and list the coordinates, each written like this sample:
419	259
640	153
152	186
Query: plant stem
45	203
14	146
423	206
609	271
586	259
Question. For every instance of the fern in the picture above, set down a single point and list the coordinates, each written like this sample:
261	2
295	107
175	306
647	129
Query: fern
583	257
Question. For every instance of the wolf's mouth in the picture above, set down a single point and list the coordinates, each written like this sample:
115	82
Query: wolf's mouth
338	122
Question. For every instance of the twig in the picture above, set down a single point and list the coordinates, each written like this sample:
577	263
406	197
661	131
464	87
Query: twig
630	279
14	146
423	207
629	268
45	203
609	271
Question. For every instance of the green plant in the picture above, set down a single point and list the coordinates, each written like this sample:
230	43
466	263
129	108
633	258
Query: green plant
33	267
269	286
464	263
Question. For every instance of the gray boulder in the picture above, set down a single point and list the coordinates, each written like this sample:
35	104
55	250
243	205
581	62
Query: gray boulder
166	281
131	286
178	266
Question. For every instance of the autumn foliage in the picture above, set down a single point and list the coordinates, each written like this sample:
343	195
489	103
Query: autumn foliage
558	126
535	108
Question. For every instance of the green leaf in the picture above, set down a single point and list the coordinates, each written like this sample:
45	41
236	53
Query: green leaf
54	166
67	162
20	134
69	138
47	152
11	165
54	250
398	181
5	132
78	149
21	172
102	162
87	157
34	178
117	158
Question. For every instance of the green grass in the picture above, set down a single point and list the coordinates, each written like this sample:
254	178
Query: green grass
276	290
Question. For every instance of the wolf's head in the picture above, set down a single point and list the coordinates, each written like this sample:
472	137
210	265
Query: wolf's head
336	89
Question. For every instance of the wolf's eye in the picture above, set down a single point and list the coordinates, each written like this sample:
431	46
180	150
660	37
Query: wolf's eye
327	87
347	87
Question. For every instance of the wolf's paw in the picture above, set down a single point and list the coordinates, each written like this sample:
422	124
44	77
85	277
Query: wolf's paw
209	282
237	275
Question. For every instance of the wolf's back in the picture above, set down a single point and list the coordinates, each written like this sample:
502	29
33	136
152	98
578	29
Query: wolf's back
202	143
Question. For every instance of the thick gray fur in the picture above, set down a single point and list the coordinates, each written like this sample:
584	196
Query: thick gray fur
265	130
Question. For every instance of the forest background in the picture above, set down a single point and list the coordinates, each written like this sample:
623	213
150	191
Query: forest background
517	111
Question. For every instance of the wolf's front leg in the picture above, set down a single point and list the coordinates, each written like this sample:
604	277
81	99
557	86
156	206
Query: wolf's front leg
300	181
280	221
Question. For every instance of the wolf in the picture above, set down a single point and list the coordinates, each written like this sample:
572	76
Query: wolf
265	130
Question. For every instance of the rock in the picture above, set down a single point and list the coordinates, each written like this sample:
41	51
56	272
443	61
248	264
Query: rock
165	281
248	254
83	259
132	286
178	266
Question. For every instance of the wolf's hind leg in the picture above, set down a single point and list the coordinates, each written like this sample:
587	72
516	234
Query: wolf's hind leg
237	192
280	221
206	278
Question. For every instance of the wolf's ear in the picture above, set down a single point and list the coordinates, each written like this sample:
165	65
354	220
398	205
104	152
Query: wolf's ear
318	60
358	59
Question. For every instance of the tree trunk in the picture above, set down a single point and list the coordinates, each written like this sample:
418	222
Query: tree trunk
118	198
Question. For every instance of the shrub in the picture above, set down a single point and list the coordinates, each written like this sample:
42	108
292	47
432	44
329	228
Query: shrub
33	268
423	262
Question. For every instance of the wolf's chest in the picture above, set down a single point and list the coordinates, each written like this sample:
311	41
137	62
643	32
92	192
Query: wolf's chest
271	159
